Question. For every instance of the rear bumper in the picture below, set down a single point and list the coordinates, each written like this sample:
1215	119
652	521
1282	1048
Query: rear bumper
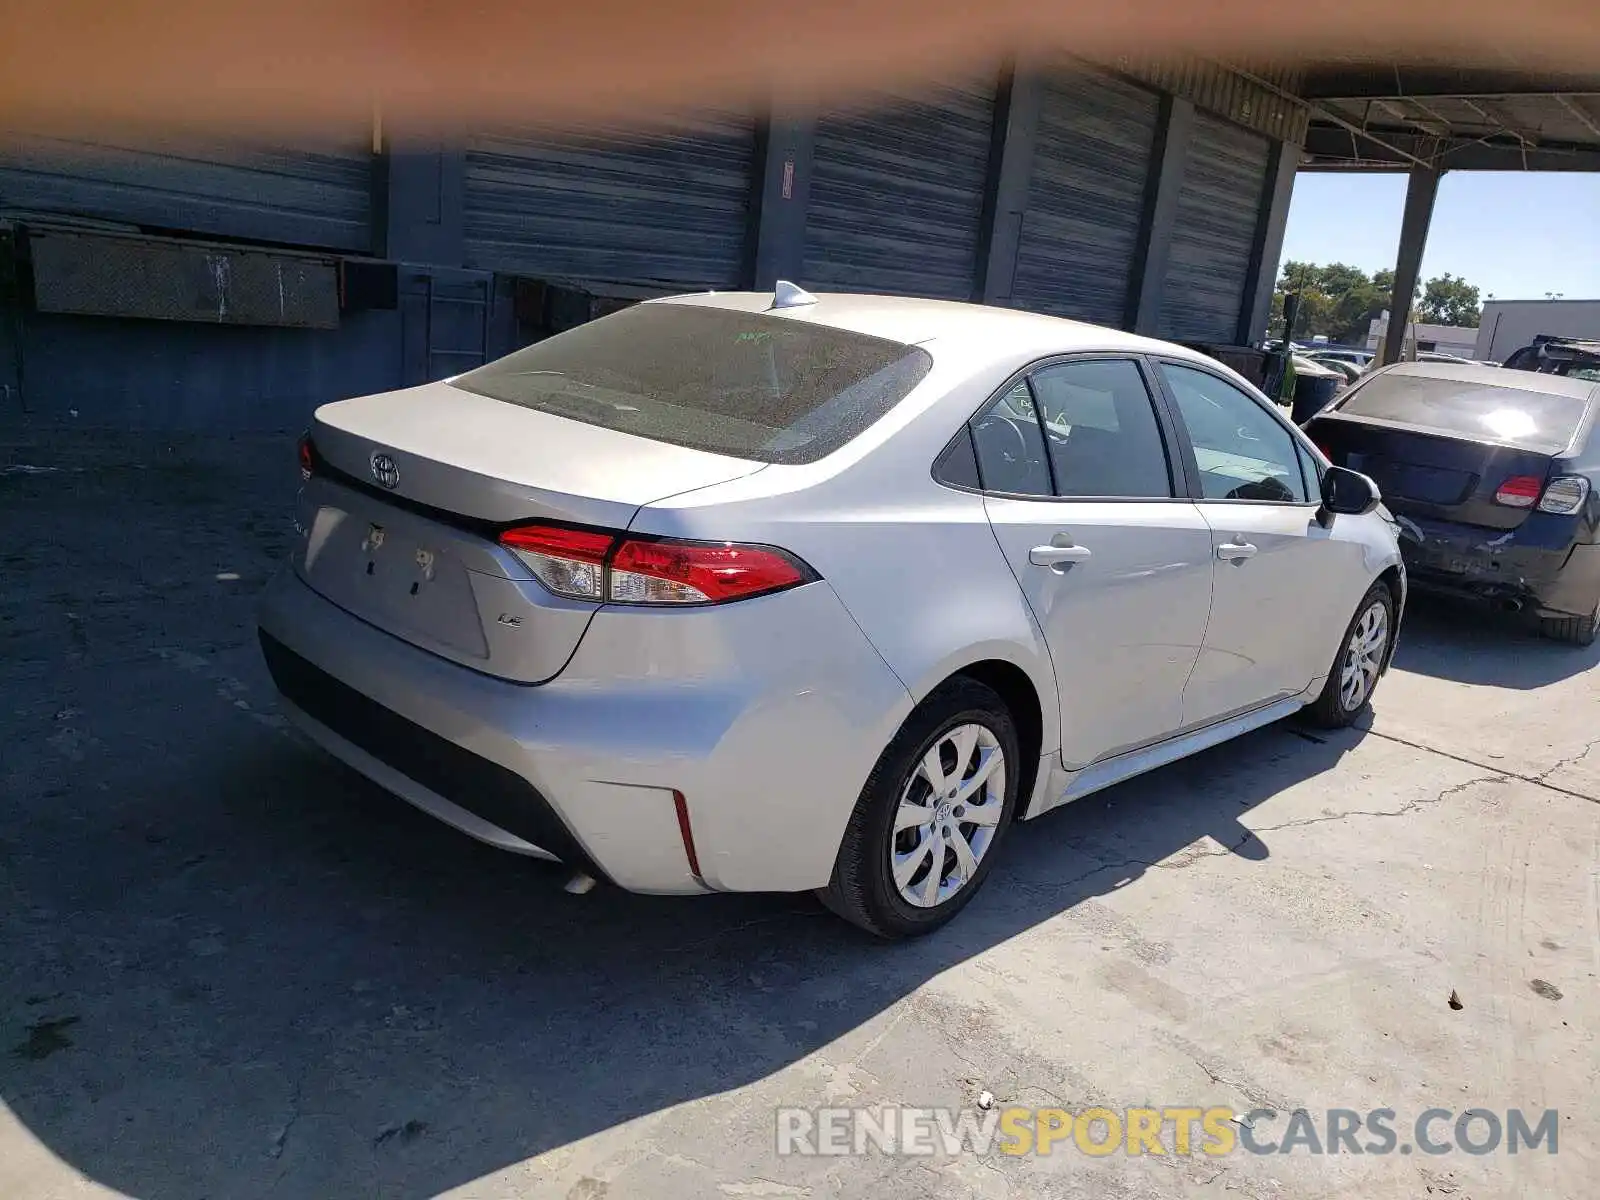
1526	569
765	718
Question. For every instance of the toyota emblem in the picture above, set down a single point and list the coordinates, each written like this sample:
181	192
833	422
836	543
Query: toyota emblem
385	471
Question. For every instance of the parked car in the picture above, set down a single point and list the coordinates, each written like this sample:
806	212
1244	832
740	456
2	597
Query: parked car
1558	356
756	592
1491	474
1345	354
1331	362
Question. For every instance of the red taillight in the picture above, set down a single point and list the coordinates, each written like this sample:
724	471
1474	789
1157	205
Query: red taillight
308	457
1520	491
697	572
589	564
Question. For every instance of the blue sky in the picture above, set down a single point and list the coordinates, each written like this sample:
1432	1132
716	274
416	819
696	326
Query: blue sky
1517	235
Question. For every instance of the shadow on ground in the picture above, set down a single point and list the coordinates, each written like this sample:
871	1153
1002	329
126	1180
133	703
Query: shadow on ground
1468	643
232	968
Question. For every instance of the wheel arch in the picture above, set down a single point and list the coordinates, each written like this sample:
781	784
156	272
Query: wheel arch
1012	684
1394	579
1037	725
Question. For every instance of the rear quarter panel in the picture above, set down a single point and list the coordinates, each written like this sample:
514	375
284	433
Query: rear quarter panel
915	563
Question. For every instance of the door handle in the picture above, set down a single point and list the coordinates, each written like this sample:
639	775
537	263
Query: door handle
1055	556
1235	552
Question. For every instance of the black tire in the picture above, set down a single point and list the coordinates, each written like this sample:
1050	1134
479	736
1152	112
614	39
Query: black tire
862	889
1329	709
1575	631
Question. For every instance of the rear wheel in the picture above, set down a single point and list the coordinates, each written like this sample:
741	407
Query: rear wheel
1362	654
932	814
1579	631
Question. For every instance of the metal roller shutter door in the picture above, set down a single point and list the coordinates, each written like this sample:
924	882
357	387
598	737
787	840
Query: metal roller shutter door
897	194
1219	204
670	210
299	196
1091	166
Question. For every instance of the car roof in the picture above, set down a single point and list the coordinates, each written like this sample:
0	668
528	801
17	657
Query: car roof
981	331
1484	374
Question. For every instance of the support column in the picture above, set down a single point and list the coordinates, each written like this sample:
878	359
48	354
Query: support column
1420	192
782	192
1174	133
1274	217
420	215
1005	196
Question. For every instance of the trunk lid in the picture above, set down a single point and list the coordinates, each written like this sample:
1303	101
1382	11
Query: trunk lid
412	487
1430	475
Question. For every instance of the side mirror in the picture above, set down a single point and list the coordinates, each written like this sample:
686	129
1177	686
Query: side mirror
1348	492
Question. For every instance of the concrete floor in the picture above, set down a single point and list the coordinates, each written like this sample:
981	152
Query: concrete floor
230	968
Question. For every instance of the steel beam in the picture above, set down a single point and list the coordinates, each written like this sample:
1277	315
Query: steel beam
1420	192
784	143
1270	224
423	219
1338	149
1005	196
1169	156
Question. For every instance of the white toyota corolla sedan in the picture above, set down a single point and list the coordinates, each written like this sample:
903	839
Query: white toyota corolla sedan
780	592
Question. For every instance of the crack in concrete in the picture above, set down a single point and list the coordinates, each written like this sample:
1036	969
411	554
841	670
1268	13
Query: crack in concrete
1260	1097
1535	780
1405	810
1188	858
281	1140
1570	760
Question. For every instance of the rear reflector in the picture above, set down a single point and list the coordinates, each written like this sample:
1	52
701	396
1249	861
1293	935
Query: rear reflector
1520	491
1564	494
590	564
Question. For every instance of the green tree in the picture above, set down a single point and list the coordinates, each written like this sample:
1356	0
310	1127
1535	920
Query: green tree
1450	300
1340	302
1336	301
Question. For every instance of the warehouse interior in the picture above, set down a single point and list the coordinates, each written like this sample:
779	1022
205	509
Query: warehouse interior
210	285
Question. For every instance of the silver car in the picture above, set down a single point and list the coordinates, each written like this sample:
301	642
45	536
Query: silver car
780	592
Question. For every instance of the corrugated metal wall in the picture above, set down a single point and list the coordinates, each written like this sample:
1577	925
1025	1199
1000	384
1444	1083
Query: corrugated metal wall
1219	205
1086	197
897	193
298	196
669	210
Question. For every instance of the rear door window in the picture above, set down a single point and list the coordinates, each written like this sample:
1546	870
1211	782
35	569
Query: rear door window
1101	429
754	386
1542	421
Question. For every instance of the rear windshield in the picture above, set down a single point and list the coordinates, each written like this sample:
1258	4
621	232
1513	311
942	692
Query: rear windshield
745	384
1484	412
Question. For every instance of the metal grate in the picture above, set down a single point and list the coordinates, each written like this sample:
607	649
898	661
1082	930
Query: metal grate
110	275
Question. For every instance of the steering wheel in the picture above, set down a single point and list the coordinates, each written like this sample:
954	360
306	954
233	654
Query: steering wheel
1015	447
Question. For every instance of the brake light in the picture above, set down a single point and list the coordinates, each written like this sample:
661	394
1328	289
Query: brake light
590	564
1520	491
307	455
698	572
1564	494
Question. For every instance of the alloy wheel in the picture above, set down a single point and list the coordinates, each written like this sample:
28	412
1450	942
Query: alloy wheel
1363	657
950	808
